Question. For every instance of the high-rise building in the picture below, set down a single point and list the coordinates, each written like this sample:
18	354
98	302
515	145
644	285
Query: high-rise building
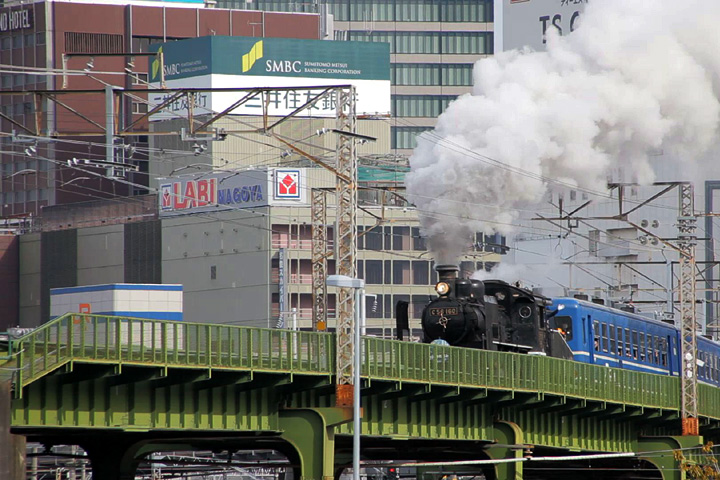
433	46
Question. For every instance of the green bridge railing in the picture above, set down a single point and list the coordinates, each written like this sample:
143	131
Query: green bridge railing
133	341
122	340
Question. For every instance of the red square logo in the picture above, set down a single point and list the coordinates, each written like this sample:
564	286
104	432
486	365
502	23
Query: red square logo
287	184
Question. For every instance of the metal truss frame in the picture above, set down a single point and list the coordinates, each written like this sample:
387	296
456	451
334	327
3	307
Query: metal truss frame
319	259
345	246
685	247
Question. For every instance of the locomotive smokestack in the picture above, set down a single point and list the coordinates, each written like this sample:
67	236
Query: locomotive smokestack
447	272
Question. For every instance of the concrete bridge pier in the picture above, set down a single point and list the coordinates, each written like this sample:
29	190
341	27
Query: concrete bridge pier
311	431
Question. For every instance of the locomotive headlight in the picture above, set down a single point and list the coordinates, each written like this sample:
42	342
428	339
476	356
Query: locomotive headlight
442	288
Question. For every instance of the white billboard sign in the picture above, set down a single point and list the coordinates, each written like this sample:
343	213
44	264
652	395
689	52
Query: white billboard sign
524	23
373	96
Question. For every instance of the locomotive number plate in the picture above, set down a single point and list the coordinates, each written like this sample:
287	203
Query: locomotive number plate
443	312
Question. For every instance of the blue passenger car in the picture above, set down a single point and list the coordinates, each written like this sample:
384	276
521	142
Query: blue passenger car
615	338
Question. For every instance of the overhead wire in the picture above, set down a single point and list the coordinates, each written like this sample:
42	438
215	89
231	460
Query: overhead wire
469	253
495	162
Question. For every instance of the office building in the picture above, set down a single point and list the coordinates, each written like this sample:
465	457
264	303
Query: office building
93	42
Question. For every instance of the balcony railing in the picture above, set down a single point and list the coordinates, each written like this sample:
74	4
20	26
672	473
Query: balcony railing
297	243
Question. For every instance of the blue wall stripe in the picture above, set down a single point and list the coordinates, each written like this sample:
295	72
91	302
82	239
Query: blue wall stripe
116	286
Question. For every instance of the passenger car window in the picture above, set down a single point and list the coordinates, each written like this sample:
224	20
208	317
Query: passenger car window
642	346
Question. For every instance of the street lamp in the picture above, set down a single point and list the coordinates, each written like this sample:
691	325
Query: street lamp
343	281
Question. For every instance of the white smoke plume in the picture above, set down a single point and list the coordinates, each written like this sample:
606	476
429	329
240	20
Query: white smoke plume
508	272
636	77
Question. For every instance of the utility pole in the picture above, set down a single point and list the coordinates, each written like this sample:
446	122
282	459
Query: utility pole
686	244
346	188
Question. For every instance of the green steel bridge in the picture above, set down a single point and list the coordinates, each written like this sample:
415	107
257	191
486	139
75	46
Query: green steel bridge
123	388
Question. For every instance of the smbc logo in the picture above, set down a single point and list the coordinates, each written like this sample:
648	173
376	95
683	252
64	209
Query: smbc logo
156	65
255	54
167	69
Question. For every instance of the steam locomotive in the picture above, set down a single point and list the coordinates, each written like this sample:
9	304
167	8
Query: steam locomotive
490	315
495	315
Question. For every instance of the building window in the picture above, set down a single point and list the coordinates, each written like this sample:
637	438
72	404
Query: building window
30	40
420	105
494	243
415	74
374	272
401	272
401	238
373	239
457	74
416	42
404	137
139	107
394	10
419	242
430	42
449	74
6	43
139	78
467	42
17	41
466	11
421	272
371	10
40	38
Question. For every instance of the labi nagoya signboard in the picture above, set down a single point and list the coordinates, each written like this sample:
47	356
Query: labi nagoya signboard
242	62
231	190
524	23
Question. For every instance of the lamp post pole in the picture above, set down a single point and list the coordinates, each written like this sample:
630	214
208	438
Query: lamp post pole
359	323
343	281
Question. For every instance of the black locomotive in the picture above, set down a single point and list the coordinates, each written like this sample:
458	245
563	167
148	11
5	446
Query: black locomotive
490	315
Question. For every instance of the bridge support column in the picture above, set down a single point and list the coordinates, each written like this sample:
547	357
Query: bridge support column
665	459
312	433
509	438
